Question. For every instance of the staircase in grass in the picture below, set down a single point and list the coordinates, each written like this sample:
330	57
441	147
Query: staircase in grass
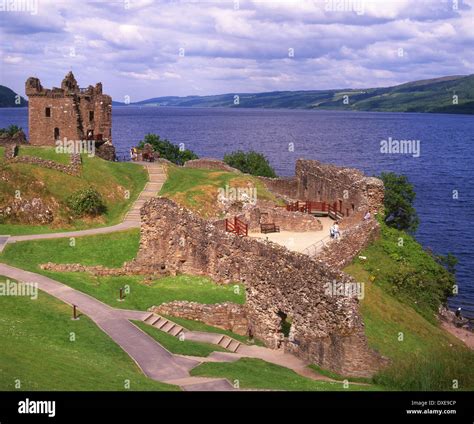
176	330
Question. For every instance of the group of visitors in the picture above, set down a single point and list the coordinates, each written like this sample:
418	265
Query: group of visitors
146	154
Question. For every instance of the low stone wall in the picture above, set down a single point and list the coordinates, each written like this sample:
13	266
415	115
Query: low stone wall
11	150
99	270
326	327
72	169
209	163
228	316
340	253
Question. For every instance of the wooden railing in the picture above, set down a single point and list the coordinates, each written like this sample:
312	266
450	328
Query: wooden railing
316	208
236	226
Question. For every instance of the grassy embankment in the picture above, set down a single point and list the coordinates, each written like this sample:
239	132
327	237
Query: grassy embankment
118	183
197	189
400	319
37	350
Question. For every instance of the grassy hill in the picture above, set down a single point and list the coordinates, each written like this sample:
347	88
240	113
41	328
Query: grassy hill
118	183
197	189
8	98
432	95
400	320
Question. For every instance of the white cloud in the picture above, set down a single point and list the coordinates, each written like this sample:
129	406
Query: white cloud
134	45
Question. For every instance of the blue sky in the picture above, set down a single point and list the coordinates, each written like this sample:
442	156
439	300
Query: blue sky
146	48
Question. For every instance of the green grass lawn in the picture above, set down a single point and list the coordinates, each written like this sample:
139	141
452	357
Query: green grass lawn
427	358
36	350
112	250
118	183
47	153
197	189
177	346
258	374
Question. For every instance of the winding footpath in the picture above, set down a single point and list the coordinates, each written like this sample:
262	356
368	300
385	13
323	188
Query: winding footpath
156	179
153	359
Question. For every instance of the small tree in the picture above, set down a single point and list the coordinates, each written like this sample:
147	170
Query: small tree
252	162
168	150
398	202
86	202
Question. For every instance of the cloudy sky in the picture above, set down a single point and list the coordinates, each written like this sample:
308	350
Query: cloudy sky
146	48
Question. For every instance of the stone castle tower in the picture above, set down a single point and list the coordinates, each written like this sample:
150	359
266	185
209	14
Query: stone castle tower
68	112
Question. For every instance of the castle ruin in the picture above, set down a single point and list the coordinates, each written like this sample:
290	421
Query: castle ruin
70	113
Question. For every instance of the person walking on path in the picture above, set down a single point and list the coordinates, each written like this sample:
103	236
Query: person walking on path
336	230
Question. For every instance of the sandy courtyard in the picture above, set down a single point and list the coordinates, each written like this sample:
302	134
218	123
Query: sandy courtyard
297	240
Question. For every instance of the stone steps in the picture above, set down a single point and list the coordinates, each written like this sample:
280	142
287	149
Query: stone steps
176	330
229	343
164	324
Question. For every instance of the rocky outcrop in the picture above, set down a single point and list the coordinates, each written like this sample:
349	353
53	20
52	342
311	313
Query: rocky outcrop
28	211
106	151
228	316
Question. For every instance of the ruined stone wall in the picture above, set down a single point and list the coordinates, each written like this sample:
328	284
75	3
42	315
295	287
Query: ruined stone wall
69	112
228	316
286	187
340	253
326	329
209	163
353	192
286	220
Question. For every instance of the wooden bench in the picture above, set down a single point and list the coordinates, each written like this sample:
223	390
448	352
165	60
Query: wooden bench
269	228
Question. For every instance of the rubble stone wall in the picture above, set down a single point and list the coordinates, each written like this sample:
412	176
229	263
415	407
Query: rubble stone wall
325	328
286	186
228	316
340	253
287	221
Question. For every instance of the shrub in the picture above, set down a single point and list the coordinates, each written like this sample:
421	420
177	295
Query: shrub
398	202
11	130
86	202
252	162
168	150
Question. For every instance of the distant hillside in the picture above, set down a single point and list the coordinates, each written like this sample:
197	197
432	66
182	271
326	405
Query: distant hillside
433	95
8	97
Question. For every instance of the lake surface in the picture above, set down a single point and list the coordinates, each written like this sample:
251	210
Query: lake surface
350	139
